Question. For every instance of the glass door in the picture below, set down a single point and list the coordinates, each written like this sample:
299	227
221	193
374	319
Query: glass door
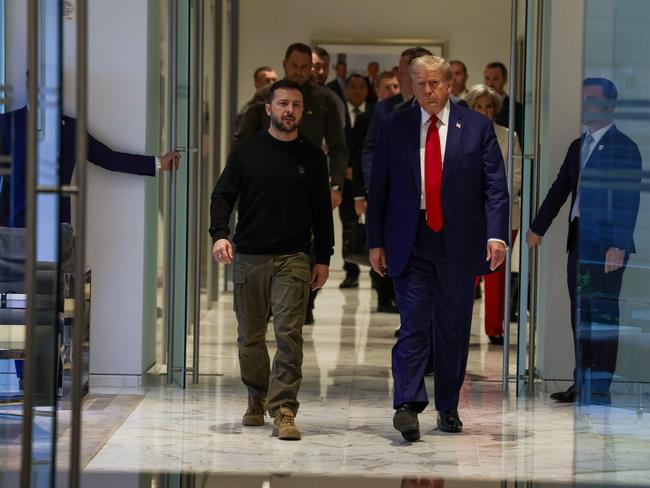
32	222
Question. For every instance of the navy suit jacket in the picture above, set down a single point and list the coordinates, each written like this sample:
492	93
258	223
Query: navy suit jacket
607	214
474	190
381	109
13	137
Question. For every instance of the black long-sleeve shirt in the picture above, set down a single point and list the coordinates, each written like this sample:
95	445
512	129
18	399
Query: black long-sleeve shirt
283	194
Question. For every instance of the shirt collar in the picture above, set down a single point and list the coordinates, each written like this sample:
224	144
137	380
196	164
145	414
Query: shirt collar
443	115
598	134
362	107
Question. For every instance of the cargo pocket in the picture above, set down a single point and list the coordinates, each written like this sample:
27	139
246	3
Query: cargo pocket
238	279
301	277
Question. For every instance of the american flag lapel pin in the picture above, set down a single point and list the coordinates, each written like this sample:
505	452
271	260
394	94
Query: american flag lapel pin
458	124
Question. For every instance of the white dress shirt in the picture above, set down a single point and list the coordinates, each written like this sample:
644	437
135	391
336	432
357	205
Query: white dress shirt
597	136
443	126
352	115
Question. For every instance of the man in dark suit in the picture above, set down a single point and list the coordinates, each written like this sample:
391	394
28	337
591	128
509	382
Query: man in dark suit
495	76
13	140
338	84
604	219
356	93
437	218
372	73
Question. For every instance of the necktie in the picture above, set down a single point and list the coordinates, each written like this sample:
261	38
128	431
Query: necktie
433	176
584	155
355	113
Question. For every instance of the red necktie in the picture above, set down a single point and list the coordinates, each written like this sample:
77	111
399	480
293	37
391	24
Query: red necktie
433	176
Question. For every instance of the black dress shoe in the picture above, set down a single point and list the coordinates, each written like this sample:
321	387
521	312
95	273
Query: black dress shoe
309	317
449	421
350	282
568	396
496	340
389	306
405	420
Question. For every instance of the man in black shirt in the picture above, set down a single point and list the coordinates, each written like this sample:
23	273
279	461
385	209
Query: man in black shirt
281	182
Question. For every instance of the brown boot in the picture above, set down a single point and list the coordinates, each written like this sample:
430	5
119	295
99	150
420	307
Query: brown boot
254	416
284	425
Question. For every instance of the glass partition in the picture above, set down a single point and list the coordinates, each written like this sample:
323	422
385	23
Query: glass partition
613	265
31	224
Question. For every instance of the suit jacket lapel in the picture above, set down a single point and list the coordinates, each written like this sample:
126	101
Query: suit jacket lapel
454	130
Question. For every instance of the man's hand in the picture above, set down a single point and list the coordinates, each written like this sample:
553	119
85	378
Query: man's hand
170	161
360	206
337	198
378	260
496	254
532	239
319	276
614	259
222	251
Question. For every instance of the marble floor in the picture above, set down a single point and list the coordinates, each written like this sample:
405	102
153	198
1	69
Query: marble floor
346	415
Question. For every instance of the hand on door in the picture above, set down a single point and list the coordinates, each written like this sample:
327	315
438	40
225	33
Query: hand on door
170	161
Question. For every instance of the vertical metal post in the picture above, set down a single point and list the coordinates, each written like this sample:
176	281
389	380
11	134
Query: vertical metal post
81	140
32	27
539	26
170	230
198	238
511	140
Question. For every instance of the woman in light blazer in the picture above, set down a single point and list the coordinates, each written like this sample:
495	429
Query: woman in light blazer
485	100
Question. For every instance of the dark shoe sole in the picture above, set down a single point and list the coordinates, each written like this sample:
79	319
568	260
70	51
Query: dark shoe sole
450	430
407	425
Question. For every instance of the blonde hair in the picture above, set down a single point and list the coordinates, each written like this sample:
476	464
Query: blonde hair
432	63
480	91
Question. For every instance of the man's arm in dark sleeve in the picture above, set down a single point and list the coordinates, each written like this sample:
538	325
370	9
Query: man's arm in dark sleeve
102	155
495	187
626	202
555	198
369	143
224	197
323	224
378	193
336	145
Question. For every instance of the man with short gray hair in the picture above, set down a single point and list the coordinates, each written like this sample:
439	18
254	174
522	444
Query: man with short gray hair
437	218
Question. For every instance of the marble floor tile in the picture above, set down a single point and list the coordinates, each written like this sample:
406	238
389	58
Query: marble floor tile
346	415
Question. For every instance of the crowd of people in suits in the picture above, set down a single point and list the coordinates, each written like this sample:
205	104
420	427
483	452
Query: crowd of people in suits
362	99
381	132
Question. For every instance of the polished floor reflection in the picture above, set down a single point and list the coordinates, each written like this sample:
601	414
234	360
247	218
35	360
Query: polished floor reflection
345	416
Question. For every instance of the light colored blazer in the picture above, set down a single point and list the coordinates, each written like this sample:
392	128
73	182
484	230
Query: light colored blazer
515	196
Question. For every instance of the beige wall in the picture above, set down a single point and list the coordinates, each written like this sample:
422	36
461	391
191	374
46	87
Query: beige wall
478	31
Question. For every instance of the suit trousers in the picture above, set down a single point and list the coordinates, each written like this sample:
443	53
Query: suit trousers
279	284
348	214
594	297
435	301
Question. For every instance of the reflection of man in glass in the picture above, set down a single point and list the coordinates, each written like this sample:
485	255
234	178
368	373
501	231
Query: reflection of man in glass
13	145
603	215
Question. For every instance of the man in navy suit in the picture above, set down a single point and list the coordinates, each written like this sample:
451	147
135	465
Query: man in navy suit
604	219
13	140
437	218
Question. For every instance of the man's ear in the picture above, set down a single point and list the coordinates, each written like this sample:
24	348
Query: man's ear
267	107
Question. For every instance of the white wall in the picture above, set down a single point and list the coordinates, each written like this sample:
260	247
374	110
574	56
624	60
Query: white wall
478	31
117	110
